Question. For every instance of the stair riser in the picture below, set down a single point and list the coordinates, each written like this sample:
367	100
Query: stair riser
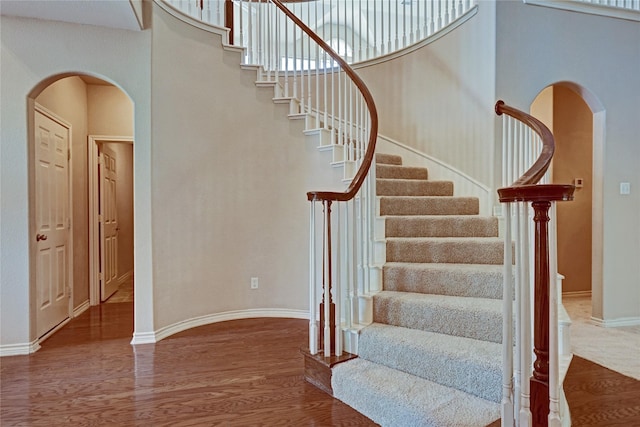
441	227
388	159
433	251
395	187
442	282
429	206
400	172
482	324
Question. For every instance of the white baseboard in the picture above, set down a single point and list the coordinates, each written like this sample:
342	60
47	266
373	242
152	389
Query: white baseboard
576	294
614	323
153	337
19	349
125	277
81	308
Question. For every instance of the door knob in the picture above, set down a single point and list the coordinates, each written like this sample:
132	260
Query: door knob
41	237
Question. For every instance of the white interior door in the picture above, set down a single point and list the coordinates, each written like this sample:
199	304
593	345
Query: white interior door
52	223
109	222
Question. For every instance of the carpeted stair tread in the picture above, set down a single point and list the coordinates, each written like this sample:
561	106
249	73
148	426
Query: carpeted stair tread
397	399
388	159
401	172
429	205
466	364
441	226
463	280
477	318
413	187
457	250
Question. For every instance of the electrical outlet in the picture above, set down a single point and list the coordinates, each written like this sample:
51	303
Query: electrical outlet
254	283
625	188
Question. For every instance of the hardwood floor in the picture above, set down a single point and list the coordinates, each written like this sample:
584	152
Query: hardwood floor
600	397
237	373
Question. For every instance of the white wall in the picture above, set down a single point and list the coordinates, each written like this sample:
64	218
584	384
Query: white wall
32	51
229	183
538	46
439	99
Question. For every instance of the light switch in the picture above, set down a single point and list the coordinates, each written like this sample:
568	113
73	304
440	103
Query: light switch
625	188
578	182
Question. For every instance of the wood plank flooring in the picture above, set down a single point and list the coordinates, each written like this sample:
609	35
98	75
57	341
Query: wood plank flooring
600	397
238	373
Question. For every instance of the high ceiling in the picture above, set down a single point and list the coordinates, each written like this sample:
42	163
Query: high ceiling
107	13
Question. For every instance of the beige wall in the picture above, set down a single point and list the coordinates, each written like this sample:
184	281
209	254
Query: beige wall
124	200
573	131
573	159
110	111
229	183
68	99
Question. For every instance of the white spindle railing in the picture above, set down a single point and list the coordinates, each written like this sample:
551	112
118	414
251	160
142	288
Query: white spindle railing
357	29
521	147
622	4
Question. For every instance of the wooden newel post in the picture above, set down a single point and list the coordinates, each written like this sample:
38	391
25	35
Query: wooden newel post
539	382
330	323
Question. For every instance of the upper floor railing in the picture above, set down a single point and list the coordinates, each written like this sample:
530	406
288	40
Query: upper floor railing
358	30
531	391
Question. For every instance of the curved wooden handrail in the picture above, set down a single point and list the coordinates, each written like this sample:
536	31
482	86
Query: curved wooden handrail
358	180
525	188
539	168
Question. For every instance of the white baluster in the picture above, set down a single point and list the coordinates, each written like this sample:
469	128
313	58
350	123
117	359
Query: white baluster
313	326
507	324
327	278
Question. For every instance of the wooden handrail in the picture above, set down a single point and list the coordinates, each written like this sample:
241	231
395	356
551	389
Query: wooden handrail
360	176
539	168
526	189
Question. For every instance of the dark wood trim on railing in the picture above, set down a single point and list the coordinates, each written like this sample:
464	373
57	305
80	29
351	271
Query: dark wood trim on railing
524	189
358	180
228	19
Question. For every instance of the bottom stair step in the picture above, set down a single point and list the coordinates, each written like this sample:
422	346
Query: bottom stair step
472	366
393	398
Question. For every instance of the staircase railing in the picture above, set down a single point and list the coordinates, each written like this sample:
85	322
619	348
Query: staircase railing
358	30
531	391
321	87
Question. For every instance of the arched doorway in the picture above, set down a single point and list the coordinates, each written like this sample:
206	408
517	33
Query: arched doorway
576	118
87	106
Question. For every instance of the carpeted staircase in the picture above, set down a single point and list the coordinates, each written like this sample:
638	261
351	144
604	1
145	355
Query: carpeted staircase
432	356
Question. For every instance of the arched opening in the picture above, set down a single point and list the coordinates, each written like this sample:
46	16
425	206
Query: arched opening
576	118
81	204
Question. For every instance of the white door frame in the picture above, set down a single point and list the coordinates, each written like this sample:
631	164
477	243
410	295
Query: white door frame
37	108
94	236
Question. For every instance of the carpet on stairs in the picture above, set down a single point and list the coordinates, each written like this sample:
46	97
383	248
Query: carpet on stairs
432	356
